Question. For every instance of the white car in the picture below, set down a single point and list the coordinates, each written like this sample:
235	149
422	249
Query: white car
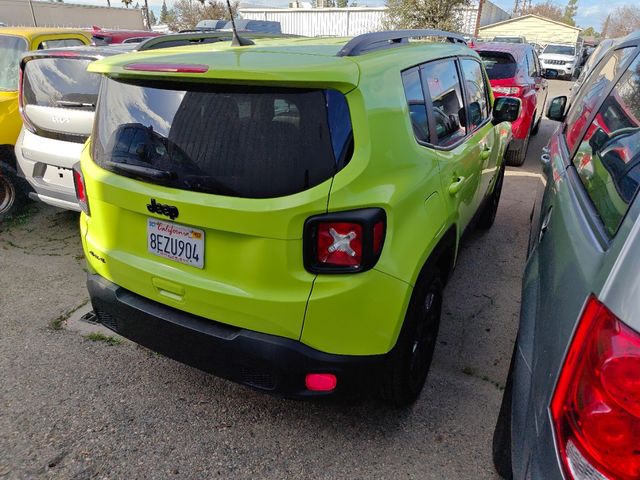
561	58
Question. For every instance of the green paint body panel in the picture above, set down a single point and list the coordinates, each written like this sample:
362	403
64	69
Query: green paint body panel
253	275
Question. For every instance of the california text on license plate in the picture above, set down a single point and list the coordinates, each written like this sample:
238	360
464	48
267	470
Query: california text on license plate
176	242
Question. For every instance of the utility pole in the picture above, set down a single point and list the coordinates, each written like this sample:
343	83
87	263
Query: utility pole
33	14
146	13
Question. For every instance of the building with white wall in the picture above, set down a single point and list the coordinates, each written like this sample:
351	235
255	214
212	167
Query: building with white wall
345	22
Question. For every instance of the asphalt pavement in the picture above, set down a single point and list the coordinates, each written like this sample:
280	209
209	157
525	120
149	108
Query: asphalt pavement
75	404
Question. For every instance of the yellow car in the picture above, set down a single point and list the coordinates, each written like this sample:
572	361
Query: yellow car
13	43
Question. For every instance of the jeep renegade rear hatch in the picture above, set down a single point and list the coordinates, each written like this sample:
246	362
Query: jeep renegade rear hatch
250	142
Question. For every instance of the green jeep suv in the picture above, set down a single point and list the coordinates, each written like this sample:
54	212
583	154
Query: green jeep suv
286	214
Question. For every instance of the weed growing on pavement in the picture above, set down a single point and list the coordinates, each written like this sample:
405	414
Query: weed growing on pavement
101	337
58	322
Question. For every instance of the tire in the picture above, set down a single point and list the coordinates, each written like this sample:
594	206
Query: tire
12	196
406	370
501	448
488	215
516	157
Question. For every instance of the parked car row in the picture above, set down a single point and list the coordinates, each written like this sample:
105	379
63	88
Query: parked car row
571	407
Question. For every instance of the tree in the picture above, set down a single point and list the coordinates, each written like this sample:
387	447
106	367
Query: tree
152	18
127	2
570	12
605	26
622	21
547	9
187	13
590	32
440	14
164	12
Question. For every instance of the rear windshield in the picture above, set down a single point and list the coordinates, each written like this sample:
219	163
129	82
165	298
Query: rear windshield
11	48
250	142
560	50
60	82
499	65
508	39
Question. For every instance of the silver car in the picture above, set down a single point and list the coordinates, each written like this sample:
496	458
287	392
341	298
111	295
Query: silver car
57	102
571	408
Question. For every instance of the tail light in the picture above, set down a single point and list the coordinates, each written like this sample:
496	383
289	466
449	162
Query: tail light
81	190
21	104
596	404
344	242
513	91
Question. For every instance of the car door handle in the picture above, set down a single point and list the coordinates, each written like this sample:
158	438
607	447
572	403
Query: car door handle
545	223
456	185
486	151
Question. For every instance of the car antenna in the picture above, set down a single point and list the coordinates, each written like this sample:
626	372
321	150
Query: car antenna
237	41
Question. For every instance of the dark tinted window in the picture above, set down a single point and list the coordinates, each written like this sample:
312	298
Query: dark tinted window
587	97
238	141
608	158
11	48
446	98
531	64
60	82
476	90
499	65
415	100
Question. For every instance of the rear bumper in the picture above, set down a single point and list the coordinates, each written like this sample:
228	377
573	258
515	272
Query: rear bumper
46	165
261	361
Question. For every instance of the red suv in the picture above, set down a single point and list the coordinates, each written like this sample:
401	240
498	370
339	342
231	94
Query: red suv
514	70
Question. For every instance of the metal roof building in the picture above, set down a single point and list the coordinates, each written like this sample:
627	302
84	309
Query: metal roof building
342	22
58	14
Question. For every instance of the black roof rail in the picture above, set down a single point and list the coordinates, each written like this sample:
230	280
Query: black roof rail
369	42
198	38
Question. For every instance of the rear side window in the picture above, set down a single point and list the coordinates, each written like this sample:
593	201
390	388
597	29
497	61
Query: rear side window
587	97
61	42
499	65
251	142
608	158
417	106
60	82
476	90
446	98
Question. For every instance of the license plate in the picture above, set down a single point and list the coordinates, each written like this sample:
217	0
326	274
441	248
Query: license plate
176	242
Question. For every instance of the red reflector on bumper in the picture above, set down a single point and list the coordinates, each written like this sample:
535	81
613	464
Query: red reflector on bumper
321	382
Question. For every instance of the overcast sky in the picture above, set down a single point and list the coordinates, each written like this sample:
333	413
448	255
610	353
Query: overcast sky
591	13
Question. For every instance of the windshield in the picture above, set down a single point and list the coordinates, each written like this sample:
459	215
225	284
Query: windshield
251	142
60	82
498	65
11	48
560	50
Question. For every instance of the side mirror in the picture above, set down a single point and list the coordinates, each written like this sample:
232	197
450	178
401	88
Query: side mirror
550	74
598	140
556	108
506	109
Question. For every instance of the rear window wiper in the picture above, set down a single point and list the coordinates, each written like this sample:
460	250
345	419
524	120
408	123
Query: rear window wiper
68	103
208	183
147	172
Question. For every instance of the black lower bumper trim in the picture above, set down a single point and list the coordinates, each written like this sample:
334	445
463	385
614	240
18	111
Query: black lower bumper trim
262	361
